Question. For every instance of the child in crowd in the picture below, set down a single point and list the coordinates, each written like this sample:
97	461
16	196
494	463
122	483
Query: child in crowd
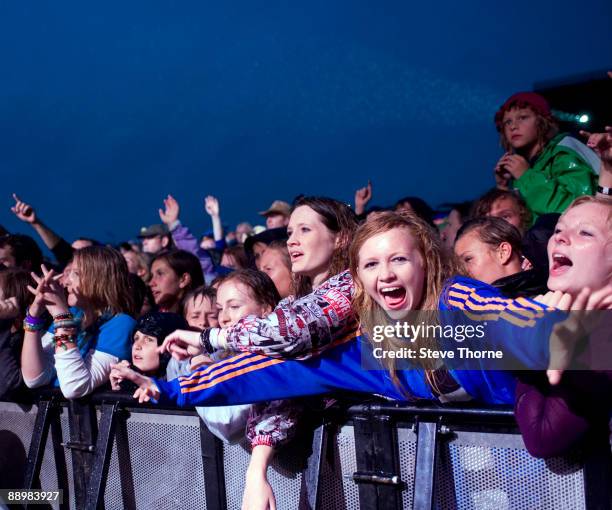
92	326
506	205
549	169
149	333
173	274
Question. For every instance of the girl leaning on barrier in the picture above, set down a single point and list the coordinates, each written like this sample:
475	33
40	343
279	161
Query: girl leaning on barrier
92	324
395	266
314	318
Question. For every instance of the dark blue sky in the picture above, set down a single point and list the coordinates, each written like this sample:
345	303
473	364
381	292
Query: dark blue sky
106	108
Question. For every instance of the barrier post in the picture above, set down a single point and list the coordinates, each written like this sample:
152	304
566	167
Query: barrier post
425	465
377	463
82	419
101	456
214	473
44	415
312	475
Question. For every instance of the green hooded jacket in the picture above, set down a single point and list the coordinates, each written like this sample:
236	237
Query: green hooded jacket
563	171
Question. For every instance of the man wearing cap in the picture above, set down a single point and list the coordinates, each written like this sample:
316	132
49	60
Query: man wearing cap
155	238
277	215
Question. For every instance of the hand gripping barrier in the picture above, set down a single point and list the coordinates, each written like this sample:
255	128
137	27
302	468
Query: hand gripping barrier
106	451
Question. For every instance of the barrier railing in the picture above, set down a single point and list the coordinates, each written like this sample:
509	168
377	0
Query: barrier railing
108	452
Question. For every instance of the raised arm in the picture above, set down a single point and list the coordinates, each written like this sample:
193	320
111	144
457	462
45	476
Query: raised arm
182	237
58	245
211	205
295	329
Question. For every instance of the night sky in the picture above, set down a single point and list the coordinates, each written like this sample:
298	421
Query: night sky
107	107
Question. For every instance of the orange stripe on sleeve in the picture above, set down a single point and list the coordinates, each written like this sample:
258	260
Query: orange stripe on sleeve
260	366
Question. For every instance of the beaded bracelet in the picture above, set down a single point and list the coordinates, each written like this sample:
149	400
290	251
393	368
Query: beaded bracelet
62	340
63	317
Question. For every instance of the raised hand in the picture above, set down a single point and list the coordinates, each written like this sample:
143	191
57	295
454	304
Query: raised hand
119	372
181	344
211	206
48	293
362	197
580	323
502	176
513	164
25	212
9	309
601	143
171	210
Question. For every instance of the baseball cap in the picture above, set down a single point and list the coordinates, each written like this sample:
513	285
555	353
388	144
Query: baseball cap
277	207
158	229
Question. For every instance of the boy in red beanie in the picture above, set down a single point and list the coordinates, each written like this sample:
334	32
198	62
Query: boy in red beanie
548	168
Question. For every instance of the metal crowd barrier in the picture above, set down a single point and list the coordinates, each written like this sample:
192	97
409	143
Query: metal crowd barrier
108	452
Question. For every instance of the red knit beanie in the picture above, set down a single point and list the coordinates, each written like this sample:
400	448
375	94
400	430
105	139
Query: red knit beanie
521	100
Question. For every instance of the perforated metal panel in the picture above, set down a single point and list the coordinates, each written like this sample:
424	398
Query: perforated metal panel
494	471
338	490
284	475
162	468
163	461
20	420
406	440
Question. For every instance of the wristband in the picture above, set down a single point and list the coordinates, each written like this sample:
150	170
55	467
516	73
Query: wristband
32	327
67	324
205	341
33	320
604	190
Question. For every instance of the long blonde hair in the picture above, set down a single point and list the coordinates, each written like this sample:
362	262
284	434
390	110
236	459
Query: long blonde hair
437	267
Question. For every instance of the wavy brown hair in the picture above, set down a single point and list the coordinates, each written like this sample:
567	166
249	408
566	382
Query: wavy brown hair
546	126
104	280
260	285
340	220
437	266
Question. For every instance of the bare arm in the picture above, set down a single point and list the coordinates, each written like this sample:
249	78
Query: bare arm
27	214
211	204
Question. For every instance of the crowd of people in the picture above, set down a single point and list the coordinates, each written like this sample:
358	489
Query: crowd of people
258	327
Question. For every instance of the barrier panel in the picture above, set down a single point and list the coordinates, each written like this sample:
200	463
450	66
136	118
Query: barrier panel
381	457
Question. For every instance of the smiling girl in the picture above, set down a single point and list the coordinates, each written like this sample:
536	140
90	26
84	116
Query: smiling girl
92	328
